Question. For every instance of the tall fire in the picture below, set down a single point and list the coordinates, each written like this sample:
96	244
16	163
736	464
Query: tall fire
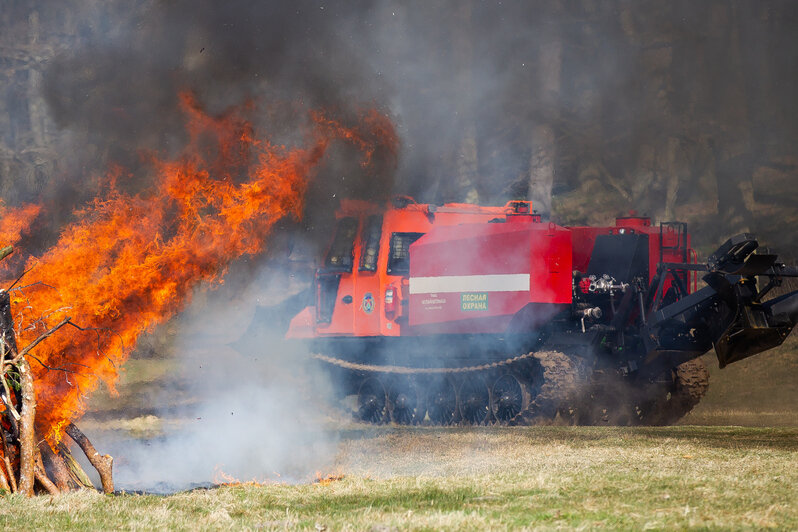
131	260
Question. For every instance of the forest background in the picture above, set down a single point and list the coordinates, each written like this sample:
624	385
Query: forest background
679	110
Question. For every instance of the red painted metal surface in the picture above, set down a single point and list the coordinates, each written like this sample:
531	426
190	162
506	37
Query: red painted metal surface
584	238
474	272
466	274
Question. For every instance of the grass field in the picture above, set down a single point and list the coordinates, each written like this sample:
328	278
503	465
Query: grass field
496	478
731	464
760	391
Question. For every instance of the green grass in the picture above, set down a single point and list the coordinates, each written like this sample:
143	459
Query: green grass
688	476
495	478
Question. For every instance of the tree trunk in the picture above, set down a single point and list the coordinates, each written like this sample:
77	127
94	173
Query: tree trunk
541	168
466	169
27	432
36	107
733	149
543	138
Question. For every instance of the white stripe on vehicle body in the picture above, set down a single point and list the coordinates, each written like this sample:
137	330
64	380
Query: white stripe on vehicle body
504	282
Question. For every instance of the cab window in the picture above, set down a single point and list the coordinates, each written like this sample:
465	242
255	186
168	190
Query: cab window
340	256
371	244
399	254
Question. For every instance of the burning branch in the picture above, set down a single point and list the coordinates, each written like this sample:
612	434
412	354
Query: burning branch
36	342
24	455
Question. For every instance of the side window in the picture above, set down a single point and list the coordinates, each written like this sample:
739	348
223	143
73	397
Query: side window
371	249
340	256
399	256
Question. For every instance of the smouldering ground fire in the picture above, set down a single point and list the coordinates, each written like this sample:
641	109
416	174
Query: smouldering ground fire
130	260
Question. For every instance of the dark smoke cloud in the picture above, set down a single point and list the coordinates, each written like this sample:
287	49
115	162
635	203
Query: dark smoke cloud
119	90
691	81
127	86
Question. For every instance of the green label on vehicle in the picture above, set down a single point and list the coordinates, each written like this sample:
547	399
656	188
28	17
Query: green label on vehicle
474	301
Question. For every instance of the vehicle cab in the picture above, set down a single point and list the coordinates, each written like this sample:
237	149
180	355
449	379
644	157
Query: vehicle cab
361	286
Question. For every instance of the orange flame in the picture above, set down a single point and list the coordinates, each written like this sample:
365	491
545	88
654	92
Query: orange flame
131	261
329	478
15	222
221	478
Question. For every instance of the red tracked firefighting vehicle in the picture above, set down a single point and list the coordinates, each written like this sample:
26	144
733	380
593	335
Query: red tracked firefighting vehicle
467	314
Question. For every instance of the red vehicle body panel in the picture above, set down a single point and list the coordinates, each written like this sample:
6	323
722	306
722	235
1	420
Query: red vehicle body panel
462	276
676	246
466	275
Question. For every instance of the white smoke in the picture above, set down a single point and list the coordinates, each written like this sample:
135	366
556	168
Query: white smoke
254	411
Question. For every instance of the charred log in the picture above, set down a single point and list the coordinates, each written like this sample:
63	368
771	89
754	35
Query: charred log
41	476
54	466
76	472
103	463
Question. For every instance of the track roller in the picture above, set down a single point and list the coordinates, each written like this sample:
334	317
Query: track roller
509	397
441	402
372	401
474	400
403	402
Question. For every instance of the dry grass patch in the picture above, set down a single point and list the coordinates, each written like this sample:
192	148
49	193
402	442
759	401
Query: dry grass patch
760	391
496	478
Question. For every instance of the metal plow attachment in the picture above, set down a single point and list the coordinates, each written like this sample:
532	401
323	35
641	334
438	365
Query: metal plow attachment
756	327
730	312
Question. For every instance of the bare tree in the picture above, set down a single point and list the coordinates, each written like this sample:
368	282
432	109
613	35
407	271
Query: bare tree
543	138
